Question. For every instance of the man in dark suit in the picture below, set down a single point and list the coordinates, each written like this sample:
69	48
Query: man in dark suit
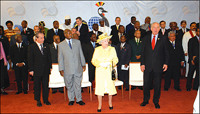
116	37
82	30
24	37
55	31
123	50
173	26
131	33
95	31
176	60
136	48
131	24
193	50
182	31
31	40
154	61
163	31
54	56
88	53
39	62
18	55
115	28
26	30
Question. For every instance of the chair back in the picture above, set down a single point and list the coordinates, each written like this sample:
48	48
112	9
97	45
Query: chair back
85	77
135	74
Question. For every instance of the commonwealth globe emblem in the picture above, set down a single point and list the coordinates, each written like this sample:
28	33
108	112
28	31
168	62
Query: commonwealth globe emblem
92	21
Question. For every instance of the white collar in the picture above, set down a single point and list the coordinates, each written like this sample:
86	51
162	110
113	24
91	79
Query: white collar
19	44
55	45
55	29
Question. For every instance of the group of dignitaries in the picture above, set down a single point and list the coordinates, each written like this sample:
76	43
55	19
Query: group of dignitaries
161	52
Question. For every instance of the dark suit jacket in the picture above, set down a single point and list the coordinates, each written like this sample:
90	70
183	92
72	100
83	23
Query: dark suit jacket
129	27
193	48
54	53
13	41
29	33
51	33
18	56
88	51
5	44
135	49
115	38
124	55
165	34
154	59
83	33
180	34
131	35
176	55
40	64
91	32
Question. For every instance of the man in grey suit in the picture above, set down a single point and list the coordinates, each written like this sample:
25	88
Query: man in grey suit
71	65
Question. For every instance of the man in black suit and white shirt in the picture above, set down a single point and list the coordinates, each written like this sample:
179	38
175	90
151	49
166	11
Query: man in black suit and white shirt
116	37
26	30
54	56
82	30
182	31
177	59
95	31
163	31
18	55
115	28
154	61
131	33
55	31
40	65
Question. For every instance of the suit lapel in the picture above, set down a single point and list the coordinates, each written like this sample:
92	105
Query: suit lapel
157	42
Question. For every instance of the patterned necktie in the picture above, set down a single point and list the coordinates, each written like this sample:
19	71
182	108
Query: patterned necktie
41	49
70	44
25	31
153	42
183	31
137	41
56	32
173	44
163	32
79	28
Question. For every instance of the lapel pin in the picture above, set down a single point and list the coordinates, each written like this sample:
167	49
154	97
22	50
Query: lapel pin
158	38
44	47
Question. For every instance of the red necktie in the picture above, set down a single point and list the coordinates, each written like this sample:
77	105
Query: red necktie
25	31
184	31
153	42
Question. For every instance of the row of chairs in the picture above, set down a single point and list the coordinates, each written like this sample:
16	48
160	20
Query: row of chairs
135	79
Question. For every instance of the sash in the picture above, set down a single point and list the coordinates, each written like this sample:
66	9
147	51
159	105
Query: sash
191	33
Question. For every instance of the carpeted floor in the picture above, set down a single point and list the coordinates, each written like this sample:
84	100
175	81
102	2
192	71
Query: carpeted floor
171	101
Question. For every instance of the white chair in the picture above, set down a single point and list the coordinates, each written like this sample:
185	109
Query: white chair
85	81
56	80
135	76
118	82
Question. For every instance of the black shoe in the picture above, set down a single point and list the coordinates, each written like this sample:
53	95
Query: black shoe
165	89
71	103
157	105
144	103
111	108
18	92
195	89
98	110
54	92
178	89
25	92
188	89
80	103
126	89
47	103
141	88
61	91
3	92
39	104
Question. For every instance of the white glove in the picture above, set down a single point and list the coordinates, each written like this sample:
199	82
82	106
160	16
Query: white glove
105	64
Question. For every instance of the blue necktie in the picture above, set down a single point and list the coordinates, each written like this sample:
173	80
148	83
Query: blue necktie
70	44
173	44
56	32
93	44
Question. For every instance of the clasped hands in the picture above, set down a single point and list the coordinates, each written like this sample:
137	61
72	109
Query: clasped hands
106	64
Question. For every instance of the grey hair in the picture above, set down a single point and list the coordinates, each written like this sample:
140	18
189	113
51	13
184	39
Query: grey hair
37	34
155	23
16	35
171	32
100	42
